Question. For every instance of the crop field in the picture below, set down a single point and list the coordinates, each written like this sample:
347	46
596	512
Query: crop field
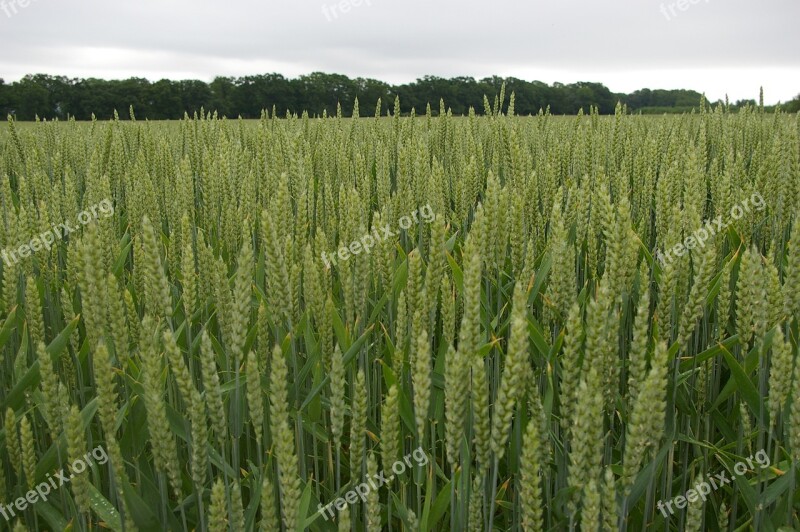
434	323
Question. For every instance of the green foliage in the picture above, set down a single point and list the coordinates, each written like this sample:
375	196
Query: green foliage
317	93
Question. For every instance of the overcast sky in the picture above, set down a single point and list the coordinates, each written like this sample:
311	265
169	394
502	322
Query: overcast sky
715	46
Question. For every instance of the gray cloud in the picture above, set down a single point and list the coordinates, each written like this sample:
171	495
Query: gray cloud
731	46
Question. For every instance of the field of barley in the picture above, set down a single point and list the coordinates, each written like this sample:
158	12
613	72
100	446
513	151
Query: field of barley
425	323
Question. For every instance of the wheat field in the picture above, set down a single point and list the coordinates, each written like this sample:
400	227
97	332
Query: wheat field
419	323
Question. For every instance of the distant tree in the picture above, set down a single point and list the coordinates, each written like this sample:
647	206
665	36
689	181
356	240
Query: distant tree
245	98
659	100
58	97
102	98
792	106
369	91
319	91
222	90
131	92
5	98
164	100
32	98
467	93
93	96
432	89
584	94
194	95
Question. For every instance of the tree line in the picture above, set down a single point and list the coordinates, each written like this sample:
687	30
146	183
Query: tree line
50	97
